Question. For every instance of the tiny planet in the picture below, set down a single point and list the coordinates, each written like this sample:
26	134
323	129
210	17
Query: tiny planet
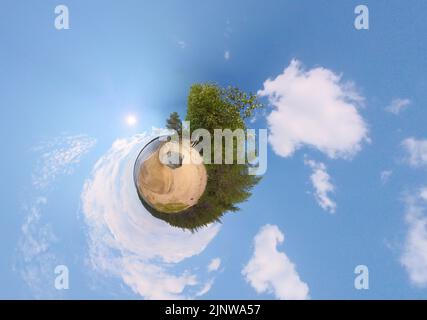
170	176
173	182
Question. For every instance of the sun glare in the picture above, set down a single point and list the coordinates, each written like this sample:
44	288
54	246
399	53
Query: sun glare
131	120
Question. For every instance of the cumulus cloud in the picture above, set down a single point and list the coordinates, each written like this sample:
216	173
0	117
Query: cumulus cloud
398	105
323	187
314	108
128	242
214	264
414	256
270	270
416	151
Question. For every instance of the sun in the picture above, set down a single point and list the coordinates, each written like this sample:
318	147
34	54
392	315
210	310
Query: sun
131	120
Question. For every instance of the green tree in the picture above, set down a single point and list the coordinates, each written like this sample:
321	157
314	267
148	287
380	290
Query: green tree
174	122
212	107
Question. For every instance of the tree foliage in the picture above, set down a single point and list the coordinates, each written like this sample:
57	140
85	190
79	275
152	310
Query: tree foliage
212	107
174	122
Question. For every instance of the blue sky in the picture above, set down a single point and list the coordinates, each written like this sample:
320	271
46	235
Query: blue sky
65	95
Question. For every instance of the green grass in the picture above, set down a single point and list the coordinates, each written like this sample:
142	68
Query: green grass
171	207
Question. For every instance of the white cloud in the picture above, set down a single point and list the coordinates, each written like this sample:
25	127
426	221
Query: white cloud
385	176
214	264
314	108
398	105
322	185
207	287
36	259
227	55
37	239
152	280
182	44
416	151
59	156
414	256
128	242
270	270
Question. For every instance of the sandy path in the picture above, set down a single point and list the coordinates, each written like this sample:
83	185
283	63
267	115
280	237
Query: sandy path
162	186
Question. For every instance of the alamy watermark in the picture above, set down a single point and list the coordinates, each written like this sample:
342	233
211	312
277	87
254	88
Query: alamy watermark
361	22
361	282
237	146
62	20
62	279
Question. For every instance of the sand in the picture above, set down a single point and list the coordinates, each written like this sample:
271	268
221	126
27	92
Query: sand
172	190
